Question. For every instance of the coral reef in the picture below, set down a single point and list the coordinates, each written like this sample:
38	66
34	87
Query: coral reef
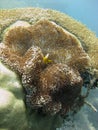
52	83
13	114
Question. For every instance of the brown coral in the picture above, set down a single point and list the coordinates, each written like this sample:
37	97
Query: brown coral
51	87
62	84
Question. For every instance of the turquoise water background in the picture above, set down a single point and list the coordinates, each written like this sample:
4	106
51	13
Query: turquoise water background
85	11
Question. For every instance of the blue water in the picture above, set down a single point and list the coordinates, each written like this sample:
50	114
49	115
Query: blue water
85	11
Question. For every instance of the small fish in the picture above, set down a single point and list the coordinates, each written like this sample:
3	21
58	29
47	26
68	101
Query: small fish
46	60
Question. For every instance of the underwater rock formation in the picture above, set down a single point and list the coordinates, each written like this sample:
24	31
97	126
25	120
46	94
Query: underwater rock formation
48	60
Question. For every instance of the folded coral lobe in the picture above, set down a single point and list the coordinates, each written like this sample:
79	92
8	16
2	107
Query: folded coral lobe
62	84
62	46
17	37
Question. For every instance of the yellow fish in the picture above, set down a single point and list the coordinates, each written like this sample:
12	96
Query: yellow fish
46	60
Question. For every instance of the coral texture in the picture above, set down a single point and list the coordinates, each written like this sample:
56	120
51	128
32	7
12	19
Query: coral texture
12	107
51	87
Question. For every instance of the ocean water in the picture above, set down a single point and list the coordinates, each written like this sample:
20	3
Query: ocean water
85	11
